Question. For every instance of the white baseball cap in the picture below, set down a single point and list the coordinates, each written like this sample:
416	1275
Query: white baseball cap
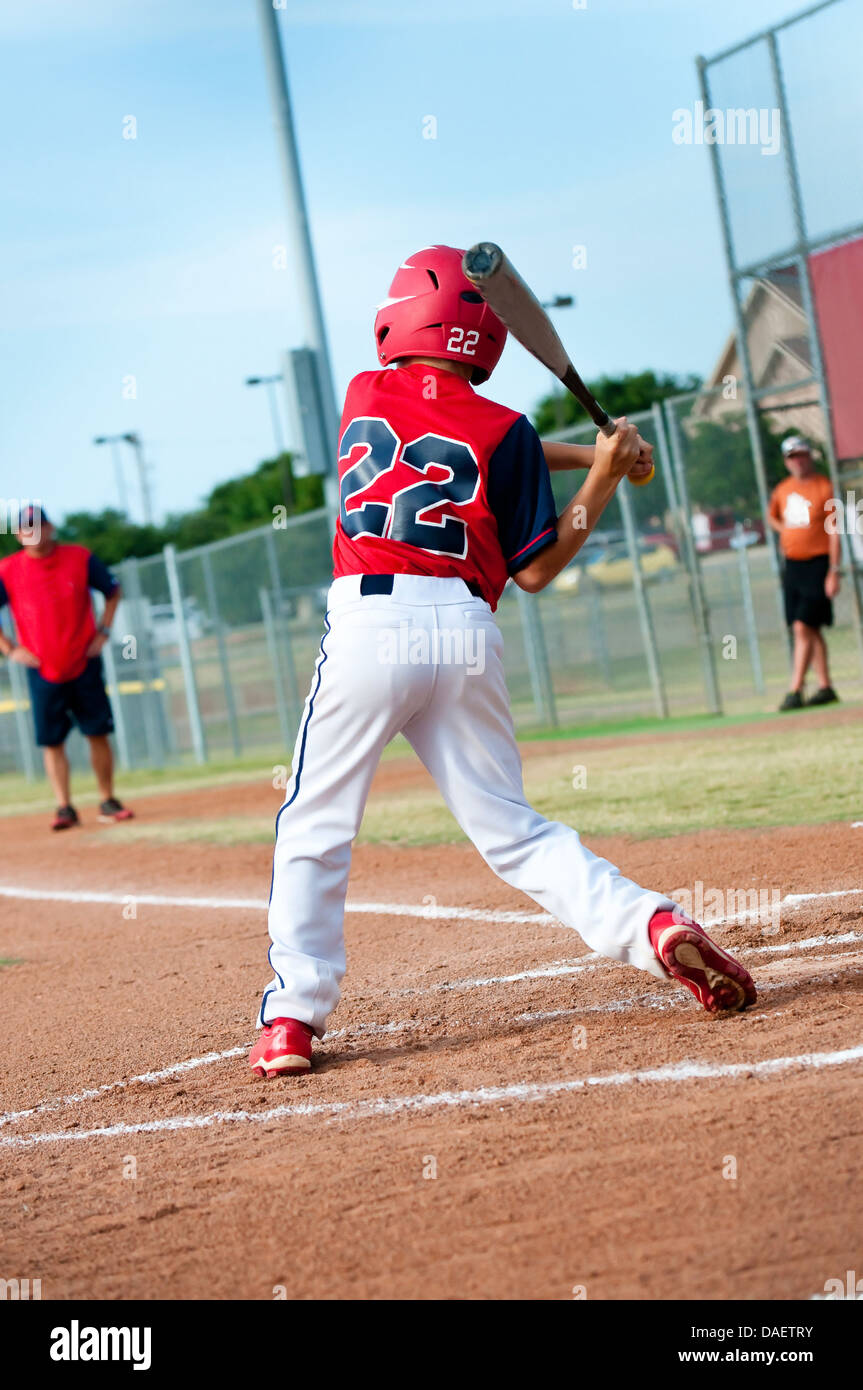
795	444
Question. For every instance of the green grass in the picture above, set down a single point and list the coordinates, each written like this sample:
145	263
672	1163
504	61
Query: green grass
773	775
668	787
17	794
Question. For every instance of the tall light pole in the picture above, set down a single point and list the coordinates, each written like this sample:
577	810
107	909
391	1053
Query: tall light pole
115	440
134	439
298	227
560	301
278	435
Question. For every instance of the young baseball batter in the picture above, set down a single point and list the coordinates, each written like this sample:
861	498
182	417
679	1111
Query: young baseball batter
443	496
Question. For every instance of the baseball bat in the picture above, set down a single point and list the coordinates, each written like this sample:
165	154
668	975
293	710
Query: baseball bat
502	288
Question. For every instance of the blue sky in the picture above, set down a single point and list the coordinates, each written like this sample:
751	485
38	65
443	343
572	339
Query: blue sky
152	258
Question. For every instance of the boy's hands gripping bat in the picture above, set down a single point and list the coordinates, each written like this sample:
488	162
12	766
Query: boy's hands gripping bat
503	289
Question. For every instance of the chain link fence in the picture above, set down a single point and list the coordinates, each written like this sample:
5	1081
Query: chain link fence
673	607
784	148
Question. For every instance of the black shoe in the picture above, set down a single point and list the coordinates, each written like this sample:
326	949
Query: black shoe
793	700
825	696
64	818
112	810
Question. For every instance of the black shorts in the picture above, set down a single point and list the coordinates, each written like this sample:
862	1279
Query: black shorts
805	599
57	706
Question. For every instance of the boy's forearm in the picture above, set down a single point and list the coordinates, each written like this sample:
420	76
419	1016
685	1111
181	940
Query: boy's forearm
574	525
563	457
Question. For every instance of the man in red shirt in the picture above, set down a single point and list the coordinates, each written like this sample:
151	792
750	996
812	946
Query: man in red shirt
47	585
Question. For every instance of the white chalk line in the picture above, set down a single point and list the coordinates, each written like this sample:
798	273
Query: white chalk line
429	911
556	970
587	962
662	1000
673	1072
559	969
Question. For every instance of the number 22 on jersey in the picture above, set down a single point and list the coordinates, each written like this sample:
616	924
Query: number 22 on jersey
400	514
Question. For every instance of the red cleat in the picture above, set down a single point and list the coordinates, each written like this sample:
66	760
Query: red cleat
114	810
718	981
284	1048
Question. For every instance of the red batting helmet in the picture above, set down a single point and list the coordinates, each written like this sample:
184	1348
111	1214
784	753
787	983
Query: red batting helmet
433	310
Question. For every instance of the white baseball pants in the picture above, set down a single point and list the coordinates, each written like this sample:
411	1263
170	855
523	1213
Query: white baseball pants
425	661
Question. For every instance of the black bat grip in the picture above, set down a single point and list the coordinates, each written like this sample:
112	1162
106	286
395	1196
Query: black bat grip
601	418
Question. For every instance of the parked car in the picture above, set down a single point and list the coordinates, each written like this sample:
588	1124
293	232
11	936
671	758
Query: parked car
664	538
715	530
597	544
163	622
610	566
614	568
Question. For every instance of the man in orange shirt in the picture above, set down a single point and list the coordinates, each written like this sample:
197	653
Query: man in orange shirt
798	512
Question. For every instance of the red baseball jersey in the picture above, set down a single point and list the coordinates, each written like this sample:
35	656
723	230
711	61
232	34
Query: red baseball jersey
50	600
436	480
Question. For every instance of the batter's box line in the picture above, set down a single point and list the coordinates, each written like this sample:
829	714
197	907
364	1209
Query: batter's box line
665	1000
671	1073
414	910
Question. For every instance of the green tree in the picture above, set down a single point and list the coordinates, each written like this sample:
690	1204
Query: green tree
110	534
620	395
719	467
236	505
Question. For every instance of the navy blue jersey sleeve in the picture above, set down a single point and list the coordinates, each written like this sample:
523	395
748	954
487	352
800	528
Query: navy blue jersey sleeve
520	496
100	577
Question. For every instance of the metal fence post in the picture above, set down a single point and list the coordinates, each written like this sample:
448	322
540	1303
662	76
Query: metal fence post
121	731
284	652
272	638
541	685
700	609
749	612
753	418
196	725
812	325
597	629
645	619
144	662
665	469
224	664
21	698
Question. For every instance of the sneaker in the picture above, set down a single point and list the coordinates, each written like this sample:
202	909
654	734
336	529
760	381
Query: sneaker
64	818
718	981
283	1049
793	700
112	810
825	696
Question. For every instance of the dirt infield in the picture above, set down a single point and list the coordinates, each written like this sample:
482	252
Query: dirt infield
496	1113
